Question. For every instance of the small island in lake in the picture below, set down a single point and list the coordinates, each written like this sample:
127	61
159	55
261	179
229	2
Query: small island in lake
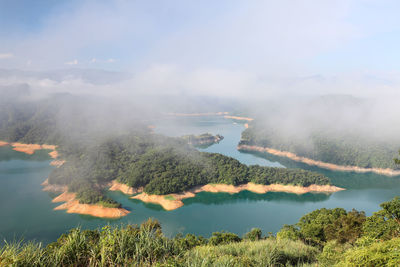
202	140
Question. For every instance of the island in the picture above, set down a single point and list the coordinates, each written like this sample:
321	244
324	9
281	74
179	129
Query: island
202	140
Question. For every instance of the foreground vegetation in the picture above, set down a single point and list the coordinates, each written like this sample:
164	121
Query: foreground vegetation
324	237
145	245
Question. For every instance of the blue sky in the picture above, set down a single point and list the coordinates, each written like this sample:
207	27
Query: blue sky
232	38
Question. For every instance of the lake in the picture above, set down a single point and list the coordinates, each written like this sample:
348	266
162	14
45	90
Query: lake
27	212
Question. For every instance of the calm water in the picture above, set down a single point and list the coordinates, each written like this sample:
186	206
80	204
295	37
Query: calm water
27	212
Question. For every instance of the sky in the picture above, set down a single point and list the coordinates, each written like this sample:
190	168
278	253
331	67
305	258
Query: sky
225	46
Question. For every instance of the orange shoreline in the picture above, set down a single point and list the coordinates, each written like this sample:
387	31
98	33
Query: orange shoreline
238	118
72	205
127	190
53	187
321	164
30	149
225	114
174	201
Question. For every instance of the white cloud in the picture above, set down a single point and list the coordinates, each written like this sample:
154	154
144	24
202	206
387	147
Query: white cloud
6	55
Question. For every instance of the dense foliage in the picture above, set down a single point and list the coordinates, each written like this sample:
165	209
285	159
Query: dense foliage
351	238
337	148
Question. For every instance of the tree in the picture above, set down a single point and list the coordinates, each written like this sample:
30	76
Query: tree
392	209
347	228
312	225
397	160
289	232
218	238
384	224
253	235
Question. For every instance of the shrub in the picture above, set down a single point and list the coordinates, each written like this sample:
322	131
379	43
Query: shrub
254	234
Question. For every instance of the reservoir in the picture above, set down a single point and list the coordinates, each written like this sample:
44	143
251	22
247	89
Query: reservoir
27	212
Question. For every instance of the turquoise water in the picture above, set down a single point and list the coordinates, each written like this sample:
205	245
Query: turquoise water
27	212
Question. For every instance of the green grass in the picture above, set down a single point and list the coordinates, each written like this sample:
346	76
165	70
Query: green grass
378	253
169	197
125	246
270	252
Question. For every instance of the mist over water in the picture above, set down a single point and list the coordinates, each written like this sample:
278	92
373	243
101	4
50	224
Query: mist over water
88	71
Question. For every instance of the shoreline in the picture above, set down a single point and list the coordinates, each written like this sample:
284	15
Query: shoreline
30	149
55	188
174	201
224	114
198	114
127	190
72	205
238	118
321	164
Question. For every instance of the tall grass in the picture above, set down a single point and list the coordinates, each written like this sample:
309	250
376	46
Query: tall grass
125	246
145	245
22	254
270	252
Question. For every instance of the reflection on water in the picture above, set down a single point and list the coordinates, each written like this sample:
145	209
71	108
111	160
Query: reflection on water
208	198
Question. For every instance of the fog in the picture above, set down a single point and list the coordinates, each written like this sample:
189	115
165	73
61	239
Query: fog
297	65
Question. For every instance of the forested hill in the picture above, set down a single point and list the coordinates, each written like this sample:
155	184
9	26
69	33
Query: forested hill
333	147
161	165
338	129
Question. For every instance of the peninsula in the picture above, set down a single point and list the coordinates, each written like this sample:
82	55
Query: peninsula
30	149
72	205
324	147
